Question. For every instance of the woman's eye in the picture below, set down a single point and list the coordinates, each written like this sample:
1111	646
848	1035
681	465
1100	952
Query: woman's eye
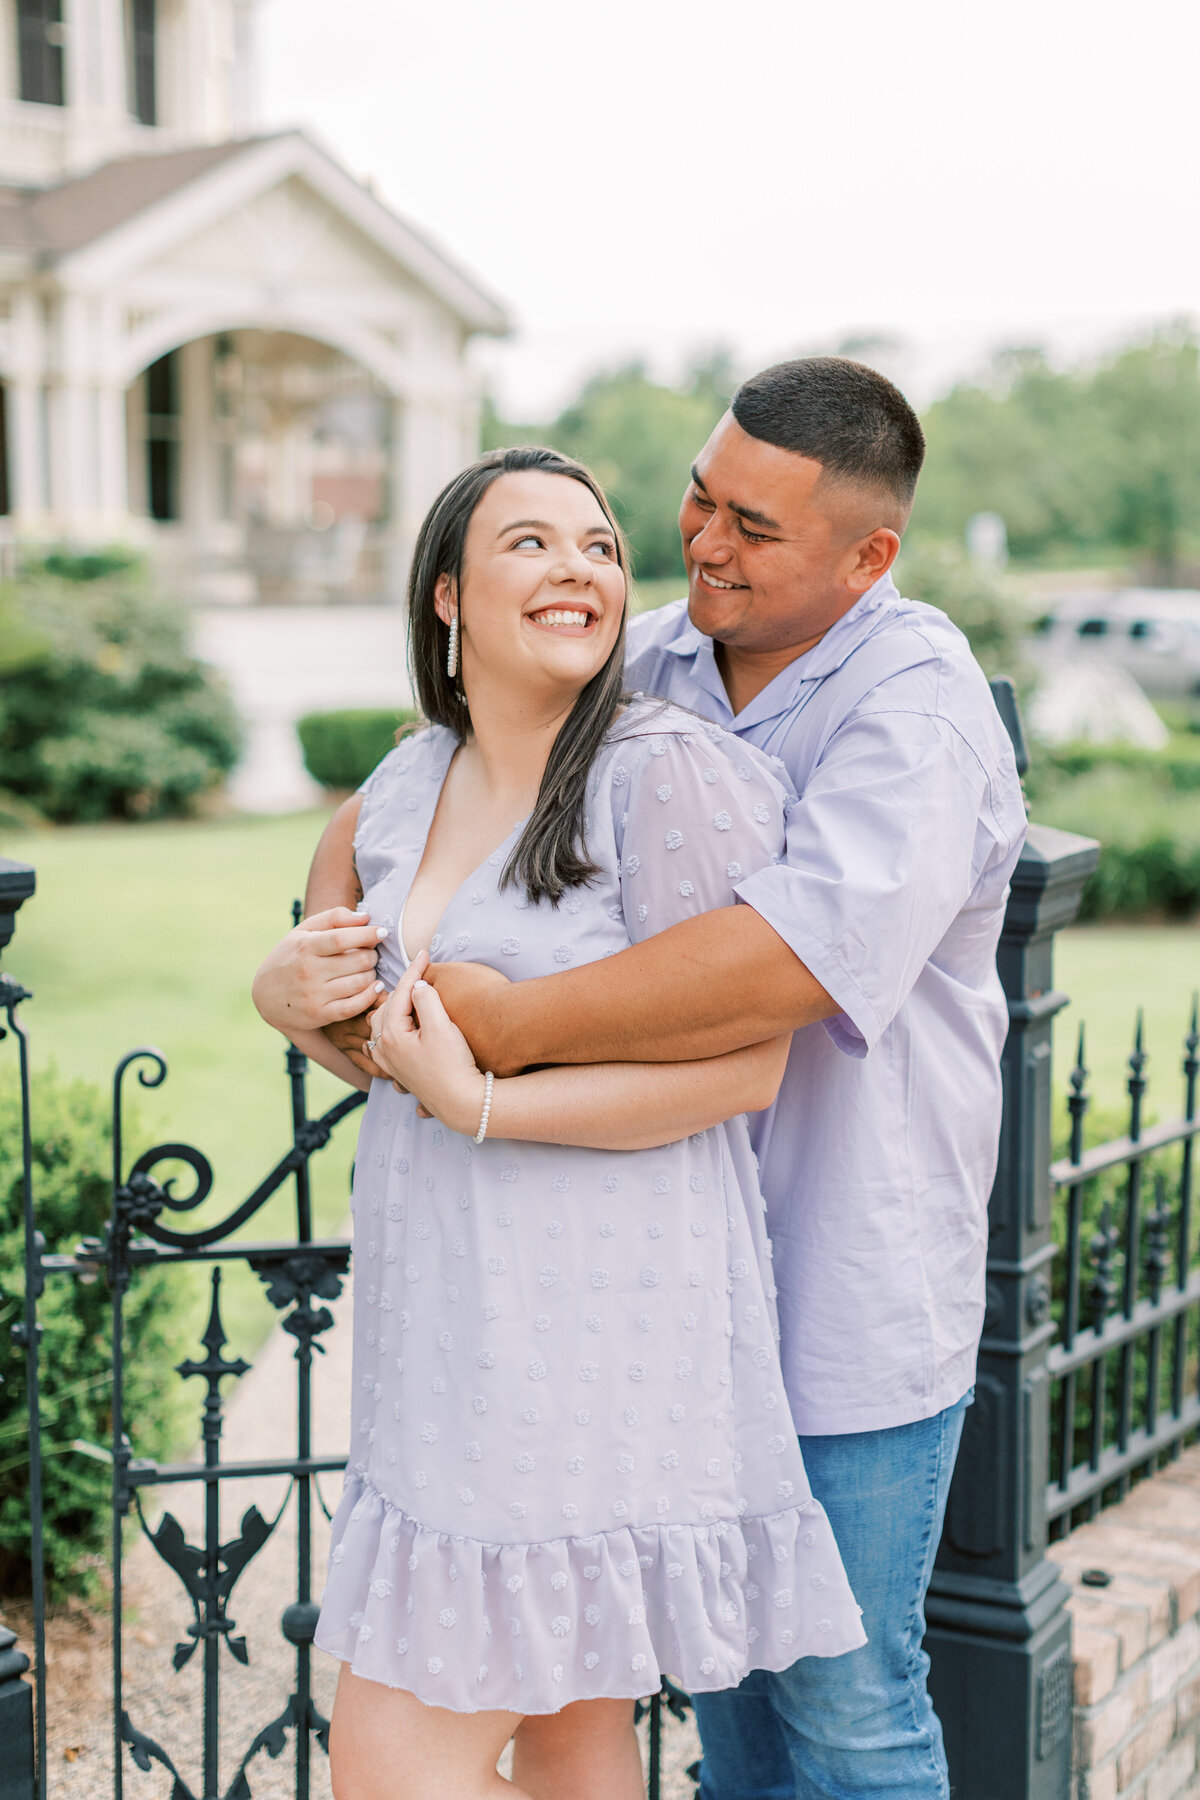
605	549
529	538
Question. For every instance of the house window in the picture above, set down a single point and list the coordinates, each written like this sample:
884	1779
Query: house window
143	83
162	437
40	38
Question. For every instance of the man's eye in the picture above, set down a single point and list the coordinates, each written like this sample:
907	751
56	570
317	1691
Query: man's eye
753	537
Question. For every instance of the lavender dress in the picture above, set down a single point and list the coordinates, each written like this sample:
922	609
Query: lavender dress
572	1466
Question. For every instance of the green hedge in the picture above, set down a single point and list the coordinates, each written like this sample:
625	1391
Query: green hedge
72	1172
1177	767
341	748
1149	834
104	712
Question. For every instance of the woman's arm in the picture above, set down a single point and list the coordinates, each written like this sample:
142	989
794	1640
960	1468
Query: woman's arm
606	1106
636	1106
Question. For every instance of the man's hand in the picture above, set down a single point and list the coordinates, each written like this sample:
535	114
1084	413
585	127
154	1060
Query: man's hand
350	1036
474	996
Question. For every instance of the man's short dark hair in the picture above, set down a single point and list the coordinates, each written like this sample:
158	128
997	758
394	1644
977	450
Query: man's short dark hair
841	414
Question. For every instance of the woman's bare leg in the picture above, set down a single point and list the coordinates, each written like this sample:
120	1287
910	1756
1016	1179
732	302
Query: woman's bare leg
385	1745
588	1751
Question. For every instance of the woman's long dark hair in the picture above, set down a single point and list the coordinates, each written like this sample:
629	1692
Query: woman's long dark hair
551	854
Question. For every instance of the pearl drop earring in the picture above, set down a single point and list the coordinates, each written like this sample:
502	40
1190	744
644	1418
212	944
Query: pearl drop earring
452	649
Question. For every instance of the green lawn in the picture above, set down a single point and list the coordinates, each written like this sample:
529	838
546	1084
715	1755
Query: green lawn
150	934
1109	971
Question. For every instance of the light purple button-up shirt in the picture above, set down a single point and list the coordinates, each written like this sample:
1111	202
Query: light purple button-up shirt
879	1154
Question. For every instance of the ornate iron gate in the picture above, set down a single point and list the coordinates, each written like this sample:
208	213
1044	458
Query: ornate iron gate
145	1231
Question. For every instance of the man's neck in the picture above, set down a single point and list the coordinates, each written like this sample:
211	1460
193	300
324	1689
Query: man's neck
746	673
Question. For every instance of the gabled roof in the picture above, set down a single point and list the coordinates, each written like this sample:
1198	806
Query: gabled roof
73	220
51	222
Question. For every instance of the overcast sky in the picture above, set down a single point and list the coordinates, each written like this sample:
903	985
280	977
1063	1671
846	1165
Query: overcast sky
772	175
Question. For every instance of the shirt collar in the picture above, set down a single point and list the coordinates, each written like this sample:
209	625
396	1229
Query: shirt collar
839	642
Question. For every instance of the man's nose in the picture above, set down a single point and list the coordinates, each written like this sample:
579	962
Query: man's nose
711	542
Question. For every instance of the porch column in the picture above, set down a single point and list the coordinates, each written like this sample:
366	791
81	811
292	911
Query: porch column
197	475
113	457
77	449
28	497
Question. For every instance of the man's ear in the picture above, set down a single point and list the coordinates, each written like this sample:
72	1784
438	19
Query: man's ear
444	599
876	554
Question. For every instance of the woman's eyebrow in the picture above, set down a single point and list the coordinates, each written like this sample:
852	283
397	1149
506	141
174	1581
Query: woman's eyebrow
544	525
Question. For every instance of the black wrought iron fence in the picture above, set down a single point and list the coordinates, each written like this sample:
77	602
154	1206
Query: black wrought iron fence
1125	1369
147	1230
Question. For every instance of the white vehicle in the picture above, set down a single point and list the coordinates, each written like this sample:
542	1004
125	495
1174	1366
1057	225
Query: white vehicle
1152	633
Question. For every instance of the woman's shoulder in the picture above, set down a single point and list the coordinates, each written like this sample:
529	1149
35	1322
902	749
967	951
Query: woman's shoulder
421	753
650	730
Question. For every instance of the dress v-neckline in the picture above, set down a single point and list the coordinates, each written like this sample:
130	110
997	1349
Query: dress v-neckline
482	864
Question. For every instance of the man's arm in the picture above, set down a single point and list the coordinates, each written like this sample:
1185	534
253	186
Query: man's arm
706	986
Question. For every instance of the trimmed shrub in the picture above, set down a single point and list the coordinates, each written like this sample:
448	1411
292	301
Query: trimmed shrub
72	1171
341	748
104	713
1176	767
1149	836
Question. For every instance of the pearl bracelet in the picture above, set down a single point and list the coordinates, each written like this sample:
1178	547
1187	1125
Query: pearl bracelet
489	1082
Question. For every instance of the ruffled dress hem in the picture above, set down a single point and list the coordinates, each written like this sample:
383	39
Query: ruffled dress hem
474	1626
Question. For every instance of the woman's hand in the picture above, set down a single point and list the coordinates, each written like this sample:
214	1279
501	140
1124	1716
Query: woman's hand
322	971
424	1052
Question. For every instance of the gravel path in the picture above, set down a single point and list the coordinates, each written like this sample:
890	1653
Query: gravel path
165	1705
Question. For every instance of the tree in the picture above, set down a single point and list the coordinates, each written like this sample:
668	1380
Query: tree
1094	459
639	438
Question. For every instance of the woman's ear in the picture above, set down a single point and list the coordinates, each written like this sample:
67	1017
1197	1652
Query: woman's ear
443	599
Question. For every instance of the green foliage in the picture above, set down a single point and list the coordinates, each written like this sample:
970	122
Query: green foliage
980	601
86	565
1176	768
103	711
1149	835
1077	462
341	748
639	438
72	1164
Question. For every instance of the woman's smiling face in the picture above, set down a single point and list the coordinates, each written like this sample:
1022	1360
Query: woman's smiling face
543	593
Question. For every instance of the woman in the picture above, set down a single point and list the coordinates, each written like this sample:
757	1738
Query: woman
572	1464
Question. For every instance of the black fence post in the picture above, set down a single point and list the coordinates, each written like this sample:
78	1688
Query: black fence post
22	1774
999	1637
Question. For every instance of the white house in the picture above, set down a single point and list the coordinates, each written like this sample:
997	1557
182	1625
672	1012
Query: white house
217	344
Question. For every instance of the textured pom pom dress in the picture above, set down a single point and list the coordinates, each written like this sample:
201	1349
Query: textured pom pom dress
572	1465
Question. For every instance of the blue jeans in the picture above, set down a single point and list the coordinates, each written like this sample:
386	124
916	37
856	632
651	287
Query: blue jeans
837	1728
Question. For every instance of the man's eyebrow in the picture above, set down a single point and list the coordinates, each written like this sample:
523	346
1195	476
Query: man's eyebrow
754	517
749	513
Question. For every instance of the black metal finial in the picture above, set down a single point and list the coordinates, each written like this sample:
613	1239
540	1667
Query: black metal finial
1078	1100
214	1366
1102	1287
1157	1232
1137	1083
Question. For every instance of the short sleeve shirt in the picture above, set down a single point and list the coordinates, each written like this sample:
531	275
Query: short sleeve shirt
878	1156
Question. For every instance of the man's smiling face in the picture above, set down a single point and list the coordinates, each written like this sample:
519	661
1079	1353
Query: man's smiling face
775	551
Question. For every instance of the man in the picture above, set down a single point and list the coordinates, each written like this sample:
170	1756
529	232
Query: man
874	941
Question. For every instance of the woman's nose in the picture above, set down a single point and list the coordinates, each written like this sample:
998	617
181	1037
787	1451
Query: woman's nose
573	565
